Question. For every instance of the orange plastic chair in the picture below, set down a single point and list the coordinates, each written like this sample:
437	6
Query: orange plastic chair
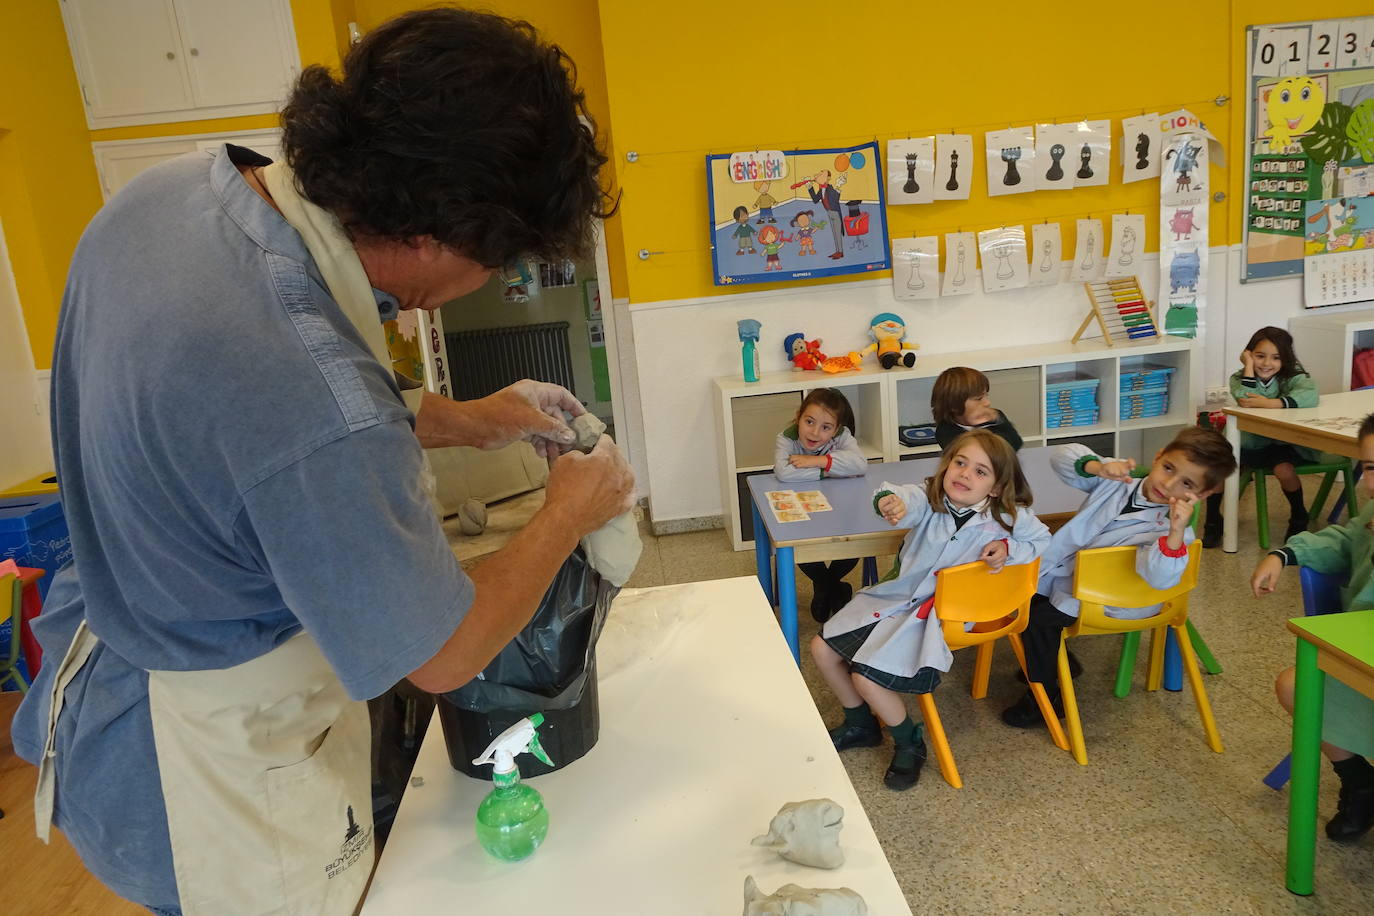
997	604
1106	577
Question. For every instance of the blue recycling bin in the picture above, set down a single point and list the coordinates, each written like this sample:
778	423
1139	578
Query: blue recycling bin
33	532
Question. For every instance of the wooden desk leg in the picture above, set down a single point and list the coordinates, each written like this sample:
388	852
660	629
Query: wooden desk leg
1302	792
763	554
787	600
1230	500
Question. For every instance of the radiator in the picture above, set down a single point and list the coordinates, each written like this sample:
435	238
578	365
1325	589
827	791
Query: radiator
490	359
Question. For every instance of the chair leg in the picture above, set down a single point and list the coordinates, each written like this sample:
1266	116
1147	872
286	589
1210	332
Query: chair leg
1319	501
1204	708
1077	747
1042	700
982	670
1155	676
1125	666
870	573
1204	654
936	733
1261	508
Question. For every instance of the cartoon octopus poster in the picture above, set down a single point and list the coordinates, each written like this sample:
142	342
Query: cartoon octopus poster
796	215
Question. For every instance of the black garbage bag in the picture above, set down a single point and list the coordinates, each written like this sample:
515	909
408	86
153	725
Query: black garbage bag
550	668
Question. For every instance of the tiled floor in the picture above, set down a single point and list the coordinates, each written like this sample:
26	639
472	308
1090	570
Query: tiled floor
1156	823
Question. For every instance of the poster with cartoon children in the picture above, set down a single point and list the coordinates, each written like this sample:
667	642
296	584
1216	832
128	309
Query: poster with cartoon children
796	215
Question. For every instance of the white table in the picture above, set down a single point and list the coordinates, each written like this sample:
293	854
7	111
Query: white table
1296	426
706	730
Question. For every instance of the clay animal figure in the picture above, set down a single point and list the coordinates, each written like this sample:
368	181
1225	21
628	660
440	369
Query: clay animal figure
1181	224
1184	271
792	900
806	832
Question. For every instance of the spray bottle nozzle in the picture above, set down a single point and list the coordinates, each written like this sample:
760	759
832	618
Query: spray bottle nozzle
520	738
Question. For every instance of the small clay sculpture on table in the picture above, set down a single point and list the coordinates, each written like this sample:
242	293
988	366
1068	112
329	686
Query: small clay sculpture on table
806	832
613	549
792	900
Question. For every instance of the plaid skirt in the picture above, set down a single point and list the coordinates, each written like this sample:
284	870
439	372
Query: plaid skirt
847	645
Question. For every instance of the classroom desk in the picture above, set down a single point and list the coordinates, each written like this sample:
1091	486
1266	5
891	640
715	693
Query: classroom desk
706	730
853	529
1293	425
1341	645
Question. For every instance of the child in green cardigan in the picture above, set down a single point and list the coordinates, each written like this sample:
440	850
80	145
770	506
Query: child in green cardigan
1348	717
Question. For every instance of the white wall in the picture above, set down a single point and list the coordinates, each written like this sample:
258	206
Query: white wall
23	408
680	346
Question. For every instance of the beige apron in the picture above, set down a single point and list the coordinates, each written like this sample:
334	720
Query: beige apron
266	766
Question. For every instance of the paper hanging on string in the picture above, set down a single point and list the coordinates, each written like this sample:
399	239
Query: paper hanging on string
1003	253
1128	239
1184	201
1047	251
916	268
1140	148
1011	161
1088	263
961	263
953	166
911	171
1054	171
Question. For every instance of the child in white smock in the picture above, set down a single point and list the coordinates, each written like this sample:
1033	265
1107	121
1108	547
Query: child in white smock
888	640
1152	512
819	444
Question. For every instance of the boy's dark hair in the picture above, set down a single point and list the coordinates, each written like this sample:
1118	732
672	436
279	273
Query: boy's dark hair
1366	428
1283	342
832	400
953	387
454	124
1208	449
1011	486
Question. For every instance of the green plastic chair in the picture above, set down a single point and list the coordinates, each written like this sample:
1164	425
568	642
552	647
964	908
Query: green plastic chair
12	591
1343	466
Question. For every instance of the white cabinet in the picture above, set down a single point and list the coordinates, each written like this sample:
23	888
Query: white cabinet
119	161
749	415
1326	345
152	61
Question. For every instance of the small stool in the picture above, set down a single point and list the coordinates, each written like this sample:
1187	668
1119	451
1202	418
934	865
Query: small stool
1342	466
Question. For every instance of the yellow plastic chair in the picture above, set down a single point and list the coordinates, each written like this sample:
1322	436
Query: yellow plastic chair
997	604
1106	577
11	597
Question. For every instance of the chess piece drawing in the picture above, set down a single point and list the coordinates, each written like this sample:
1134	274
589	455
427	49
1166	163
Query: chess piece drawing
953	183
1010	156
1056	172
1004	269
911	187
1085	154
1047	262
915	281
1088	263
1127	256
959	271
1142	151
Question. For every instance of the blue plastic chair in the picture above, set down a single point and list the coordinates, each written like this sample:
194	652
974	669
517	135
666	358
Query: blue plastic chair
1321	594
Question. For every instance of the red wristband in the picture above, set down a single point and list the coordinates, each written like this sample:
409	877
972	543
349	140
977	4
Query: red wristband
1165	549
829	460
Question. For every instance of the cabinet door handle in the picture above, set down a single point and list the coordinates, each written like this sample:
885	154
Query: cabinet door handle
171	56
195	52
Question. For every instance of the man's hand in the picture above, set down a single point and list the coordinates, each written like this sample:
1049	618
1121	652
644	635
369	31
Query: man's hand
1265	578
806	461
995	555
527	411
892	508
1111	470
587	491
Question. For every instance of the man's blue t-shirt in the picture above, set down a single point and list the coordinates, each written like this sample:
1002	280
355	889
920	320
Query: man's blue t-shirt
235	466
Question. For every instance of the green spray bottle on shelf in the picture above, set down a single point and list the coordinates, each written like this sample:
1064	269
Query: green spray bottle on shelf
512	820
749	337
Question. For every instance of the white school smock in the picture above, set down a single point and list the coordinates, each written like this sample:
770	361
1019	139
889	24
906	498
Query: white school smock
1112	517
902	643
846	459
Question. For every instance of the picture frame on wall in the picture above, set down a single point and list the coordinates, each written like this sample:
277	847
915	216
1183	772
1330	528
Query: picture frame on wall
591	295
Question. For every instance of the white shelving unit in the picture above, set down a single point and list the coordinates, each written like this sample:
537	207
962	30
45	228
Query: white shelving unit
749	415
1327	342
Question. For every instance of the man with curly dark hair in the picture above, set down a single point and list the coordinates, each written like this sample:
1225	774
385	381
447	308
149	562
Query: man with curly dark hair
254	553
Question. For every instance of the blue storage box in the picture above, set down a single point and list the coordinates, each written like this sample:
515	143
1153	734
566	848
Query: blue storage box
33	532
1057	419
1146	377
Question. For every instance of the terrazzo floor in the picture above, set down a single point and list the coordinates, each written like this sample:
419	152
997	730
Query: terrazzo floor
1156	823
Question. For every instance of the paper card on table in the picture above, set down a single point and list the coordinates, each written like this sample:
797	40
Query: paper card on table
911	171
1128	243
1003	253
1140	147
961	261
1087	254
775	496
1011	161
1047	251
814	501
916	268
791	515
953	166
1090	156
1052	143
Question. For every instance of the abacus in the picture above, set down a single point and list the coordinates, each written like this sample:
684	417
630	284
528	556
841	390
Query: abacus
1120	309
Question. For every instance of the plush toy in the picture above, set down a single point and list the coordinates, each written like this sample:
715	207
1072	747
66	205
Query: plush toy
889	340
804	354
849	363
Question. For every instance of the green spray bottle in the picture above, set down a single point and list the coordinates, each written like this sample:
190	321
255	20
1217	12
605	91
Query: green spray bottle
512	820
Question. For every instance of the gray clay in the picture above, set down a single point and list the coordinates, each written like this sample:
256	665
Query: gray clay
472	517
791	900
806	832
588	428
614	548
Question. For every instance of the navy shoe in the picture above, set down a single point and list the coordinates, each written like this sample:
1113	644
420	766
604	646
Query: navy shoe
846	736
905	769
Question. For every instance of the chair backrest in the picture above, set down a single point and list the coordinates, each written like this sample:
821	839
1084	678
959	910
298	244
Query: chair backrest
11	596
971	593
1321	592
1106	577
